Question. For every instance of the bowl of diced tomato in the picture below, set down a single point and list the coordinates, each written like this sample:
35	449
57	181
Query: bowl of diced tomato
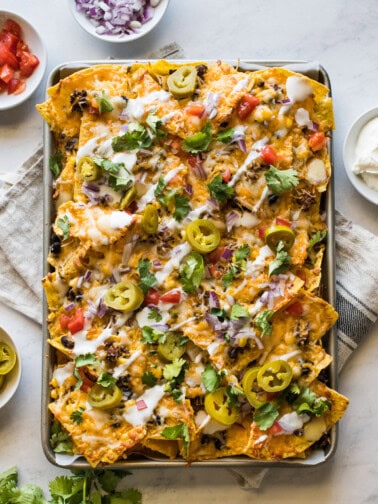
22	60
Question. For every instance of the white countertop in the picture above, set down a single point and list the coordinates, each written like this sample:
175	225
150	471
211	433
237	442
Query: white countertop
342	36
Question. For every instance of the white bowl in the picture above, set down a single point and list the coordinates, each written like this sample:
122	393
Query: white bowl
33	40
350	156
90	27
12	379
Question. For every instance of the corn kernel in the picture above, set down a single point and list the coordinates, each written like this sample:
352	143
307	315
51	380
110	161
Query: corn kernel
262	113
242	342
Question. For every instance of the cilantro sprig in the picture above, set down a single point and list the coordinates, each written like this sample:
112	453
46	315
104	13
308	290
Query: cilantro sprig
192	272
237	265
104	103
282	261
220	190
316	238
147	279
63	223
262	321
136	137
280	181
179	431
199	142
56	163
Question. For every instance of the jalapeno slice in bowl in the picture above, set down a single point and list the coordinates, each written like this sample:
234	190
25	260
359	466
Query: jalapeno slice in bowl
278	233
275	376
182	82
88	170
150	219
104	397
172	348
124	297
202	235
216	405
7	358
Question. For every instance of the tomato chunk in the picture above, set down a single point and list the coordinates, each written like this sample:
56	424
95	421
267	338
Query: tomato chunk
152	297
12	26
269	155
9	40
16	86
6	73
283	222
7	57
317	141
275	429
173	297
226	175
76	323
28	62
195	109
246	105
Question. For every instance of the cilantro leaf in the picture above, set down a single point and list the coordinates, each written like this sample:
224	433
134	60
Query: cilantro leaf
242	253
226	136
147	279
210	378
160	187
155	124
85	360
238	311
110	479
135	138
119	178
77	416
233	393
282	261
148	379
229	276
151	335
304	400
104	103
182	207
265	415
64	224
55	163
280	181
63	488
173	370
60	440
219	190
155	314
176	432
199	142
106	380
317	238
262	321
192	272
129	496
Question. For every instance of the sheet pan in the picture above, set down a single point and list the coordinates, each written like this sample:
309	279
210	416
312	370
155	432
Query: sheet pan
328	292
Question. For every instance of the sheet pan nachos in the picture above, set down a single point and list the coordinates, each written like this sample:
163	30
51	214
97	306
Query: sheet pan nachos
186	261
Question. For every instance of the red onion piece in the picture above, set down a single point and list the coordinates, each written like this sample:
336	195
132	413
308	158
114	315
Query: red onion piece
286	100
213	300
69	306
231	219
87	275
141	405
227	254
198	169
242	145
101	308
189	189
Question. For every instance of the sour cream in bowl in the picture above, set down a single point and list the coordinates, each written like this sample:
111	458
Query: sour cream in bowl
360	155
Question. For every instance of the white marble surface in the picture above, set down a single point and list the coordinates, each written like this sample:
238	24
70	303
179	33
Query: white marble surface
342	35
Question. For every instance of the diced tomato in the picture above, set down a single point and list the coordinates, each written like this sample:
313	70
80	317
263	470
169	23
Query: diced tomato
76	323
152	297
13	27
269	155
87	382
283	222
16	86
176	146
295	309
173	297
246	105
6	73
7	57
215	255
21	47
64	321
195	109
193	161
275	429
28	62
317	141
9	40
226	175
132	208
262	232
214	271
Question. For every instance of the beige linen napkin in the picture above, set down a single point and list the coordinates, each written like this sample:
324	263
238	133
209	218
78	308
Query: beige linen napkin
21	231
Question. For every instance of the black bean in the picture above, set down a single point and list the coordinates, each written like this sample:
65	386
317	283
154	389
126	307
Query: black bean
67	342
273	198
55	248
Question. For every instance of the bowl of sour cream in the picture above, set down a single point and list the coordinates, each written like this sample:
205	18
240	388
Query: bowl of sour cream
360	155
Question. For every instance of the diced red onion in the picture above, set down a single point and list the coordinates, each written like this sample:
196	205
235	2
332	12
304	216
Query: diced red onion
69	306
141	405
242	145
87	275
211	104
214	322
101	308
189	189
314	126
286	100
213	203
227	254
213	300
116	17
198	169
157	264
160	327
231	219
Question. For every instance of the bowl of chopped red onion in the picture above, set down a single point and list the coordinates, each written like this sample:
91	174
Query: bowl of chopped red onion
118	20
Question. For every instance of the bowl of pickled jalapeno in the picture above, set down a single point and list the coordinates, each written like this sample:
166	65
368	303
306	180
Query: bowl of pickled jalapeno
10	368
